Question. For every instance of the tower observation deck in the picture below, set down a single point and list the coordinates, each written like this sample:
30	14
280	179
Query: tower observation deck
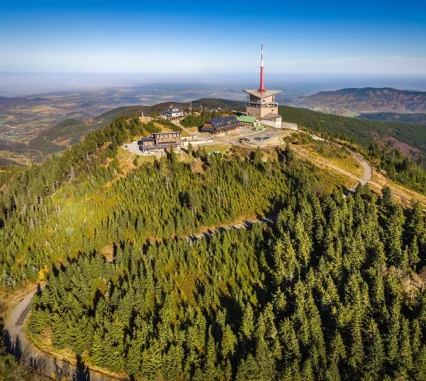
261	103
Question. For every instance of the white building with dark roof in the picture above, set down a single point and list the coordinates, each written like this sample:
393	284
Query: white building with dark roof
174	112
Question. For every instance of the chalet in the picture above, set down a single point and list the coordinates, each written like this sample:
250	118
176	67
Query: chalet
160	140
220	125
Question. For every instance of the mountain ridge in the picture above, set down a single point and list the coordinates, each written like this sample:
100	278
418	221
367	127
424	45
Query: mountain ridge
70	131
417	118
366	100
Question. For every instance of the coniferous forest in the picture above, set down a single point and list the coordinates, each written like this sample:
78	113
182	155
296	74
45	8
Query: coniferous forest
99	206
373	138
332	290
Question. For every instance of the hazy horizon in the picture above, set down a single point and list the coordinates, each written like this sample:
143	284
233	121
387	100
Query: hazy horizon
49	46
21	84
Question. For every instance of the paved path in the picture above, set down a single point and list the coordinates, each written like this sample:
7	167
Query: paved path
235	142
48	365
238	225
179	124
368	171
41	362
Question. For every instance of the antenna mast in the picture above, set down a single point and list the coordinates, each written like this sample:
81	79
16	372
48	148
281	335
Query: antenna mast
262	81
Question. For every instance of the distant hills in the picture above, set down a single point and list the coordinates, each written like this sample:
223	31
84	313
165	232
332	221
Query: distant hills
70	131
213	103
402	130
408	138
11	102
4	101
366	100
207	103
395	117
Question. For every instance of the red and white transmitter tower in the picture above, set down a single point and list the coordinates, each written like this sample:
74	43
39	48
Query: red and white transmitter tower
262	78
261	103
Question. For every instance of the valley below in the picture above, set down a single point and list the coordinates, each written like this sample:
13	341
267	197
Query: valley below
385	104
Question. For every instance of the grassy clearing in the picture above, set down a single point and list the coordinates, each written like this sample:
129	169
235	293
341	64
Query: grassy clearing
404	195
222	147
334	174
330	154
349	164
192	129
340	157
329	160
328	181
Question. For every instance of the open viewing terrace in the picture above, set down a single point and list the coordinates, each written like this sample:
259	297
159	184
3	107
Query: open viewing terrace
259	104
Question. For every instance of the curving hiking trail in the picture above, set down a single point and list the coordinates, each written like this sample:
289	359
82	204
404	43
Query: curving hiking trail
42	362
48	365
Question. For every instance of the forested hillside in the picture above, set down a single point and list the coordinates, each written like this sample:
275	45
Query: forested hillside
197	120
398	149
394	117
330	293
82	201
214	103
358	131
333	291
369	99
56	137
10	369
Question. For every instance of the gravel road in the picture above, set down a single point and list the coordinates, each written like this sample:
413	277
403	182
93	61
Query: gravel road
48	365
41	362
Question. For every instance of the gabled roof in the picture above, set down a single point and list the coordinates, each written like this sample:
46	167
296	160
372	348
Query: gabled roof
262	94
247	119
222	122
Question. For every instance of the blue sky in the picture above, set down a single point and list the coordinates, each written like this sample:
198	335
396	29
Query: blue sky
374	37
